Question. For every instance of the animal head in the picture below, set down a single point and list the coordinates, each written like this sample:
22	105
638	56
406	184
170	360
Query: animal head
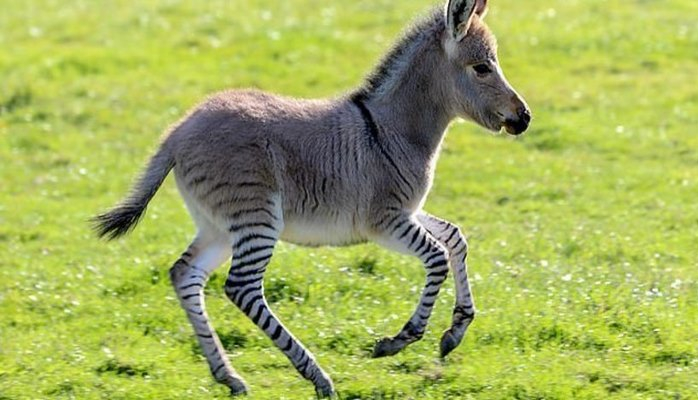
478	87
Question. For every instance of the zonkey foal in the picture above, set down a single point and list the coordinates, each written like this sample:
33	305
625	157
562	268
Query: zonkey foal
255	168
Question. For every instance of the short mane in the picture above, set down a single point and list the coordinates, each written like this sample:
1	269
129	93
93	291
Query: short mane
389	69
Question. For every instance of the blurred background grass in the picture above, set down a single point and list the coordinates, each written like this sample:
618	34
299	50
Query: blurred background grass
583	232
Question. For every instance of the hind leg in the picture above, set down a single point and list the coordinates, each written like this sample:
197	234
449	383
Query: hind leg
254	234
189	275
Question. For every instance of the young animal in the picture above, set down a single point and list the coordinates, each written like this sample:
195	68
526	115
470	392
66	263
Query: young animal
255	168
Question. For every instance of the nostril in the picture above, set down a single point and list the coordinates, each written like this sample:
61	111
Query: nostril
524	114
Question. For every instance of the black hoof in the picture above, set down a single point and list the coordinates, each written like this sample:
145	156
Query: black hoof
237	386
238	392
387	347
325	392
448	342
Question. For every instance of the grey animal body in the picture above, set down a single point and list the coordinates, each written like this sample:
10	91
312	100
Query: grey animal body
254	168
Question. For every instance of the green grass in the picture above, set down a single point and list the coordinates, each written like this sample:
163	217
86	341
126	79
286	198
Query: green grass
583	233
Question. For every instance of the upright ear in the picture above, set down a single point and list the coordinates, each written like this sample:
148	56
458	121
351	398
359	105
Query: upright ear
481	8
459	14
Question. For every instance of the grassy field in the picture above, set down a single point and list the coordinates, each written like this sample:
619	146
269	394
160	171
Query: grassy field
583	233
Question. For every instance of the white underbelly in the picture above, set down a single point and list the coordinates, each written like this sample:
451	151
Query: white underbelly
339	232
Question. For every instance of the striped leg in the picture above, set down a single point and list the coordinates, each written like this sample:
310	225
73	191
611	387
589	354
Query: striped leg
408	236
252	249
189	275
464	311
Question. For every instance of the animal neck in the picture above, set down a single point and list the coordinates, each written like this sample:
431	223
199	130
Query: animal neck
404	94
415	112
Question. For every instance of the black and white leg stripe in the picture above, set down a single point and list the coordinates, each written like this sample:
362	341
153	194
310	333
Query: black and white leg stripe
464	310
252	251
189	275
416	240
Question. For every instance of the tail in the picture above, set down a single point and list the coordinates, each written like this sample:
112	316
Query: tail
124	217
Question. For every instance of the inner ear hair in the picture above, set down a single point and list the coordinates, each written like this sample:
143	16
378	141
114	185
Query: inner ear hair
481	8
459	15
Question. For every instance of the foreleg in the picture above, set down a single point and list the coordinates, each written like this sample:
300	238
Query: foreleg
407	235
450	237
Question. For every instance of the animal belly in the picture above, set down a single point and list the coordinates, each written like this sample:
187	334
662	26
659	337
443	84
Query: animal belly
320	232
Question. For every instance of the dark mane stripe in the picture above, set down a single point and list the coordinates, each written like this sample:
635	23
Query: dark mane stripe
373	131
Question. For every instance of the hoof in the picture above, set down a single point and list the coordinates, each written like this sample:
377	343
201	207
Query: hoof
324	388
449	341
237	386
387	347
325	392
238	391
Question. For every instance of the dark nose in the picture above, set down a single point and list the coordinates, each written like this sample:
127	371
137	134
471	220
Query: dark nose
520	124
524	115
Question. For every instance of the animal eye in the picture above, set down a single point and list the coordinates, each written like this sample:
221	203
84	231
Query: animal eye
482	68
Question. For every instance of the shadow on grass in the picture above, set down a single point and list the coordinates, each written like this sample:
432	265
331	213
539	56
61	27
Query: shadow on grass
116	367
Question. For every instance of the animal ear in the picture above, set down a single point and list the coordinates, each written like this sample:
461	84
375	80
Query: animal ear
481	8
459	14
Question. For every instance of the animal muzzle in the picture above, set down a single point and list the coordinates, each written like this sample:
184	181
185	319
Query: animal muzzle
518	125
